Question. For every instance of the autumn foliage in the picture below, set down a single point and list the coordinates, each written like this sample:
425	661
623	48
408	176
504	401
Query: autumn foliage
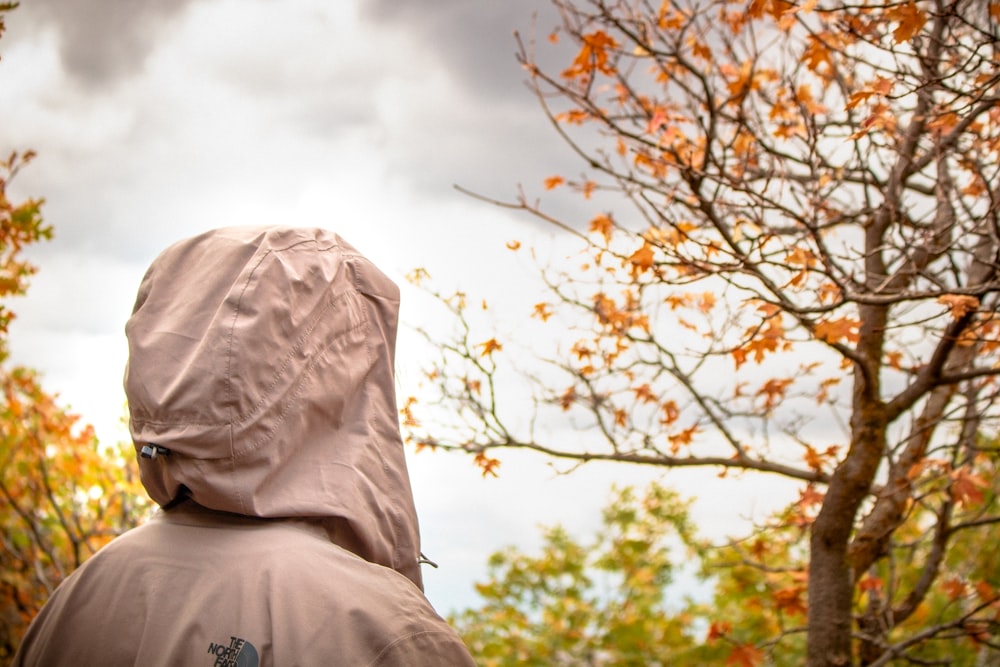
789	266
62	495
63	498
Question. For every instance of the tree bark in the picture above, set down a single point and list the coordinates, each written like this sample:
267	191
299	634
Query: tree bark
831	578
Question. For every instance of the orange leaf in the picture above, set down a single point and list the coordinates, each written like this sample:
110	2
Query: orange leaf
553	182
642	259
870	583
960	304
954	587
817	53
843	328
910	18
882	85
490	346
790	600
567	398
644	394
670	413
581	351
774	390
824	389
699	49
813	459
718	629
745	655
542	311
986	592
682	438
592	55
967	487
755	8
486	464
809	497
603	225
857	98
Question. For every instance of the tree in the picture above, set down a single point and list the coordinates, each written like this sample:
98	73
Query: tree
62	495
597	604
614	600
792	271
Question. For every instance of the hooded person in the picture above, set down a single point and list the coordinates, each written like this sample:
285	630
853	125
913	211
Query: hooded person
262	409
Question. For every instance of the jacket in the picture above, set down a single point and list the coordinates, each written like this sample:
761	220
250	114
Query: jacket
262	409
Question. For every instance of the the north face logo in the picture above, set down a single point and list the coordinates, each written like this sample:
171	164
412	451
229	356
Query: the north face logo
239	653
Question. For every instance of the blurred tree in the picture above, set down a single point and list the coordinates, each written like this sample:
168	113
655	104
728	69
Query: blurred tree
608	602
62	495
596	604
794	271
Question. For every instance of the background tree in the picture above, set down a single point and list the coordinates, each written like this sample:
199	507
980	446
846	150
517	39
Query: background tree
62	495
602	603
790	268
615	600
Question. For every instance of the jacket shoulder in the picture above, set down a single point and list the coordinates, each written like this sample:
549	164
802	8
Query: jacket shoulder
178	594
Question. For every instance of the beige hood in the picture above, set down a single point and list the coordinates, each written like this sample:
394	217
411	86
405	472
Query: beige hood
261	362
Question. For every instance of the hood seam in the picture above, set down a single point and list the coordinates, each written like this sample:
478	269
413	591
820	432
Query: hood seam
230	407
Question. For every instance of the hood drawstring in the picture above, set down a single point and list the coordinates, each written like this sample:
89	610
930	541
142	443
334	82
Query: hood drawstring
424	560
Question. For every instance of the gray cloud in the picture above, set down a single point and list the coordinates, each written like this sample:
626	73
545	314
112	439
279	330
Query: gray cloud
491	134
101	41
474	39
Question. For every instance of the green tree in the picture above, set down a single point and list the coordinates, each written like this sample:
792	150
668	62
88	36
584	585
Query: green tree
62	495
602	603
615	600
789	266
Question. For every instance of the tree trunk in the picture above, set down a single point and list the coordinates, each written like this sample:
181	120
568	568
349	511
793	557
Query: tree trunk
830	586
831	579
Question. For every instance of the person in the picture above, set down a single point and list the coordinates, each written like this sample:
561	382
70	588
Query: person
260	388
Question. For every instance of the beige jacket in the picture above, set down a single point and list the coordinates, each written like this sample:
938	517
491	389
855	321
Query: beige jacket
260	388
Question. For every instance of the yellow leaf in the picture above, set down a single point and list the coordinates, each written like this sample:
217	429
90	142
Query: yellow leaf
417	276
706	302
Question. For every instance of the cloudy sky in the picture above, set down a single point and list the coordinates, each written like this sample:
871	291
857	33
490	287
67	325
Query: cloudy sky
157	119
